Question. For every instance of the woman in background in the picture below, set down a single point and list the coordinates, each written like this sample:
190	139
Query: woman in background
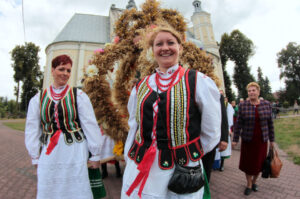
255	126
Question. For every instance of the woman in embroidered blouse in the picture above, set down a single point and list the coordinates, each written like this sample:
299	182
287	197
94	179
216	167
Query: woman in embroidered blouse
61	130
170	109
255	126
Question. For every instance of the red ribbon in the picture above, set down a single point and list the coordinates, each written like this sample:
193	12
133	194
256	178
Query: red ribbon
144	168
53	141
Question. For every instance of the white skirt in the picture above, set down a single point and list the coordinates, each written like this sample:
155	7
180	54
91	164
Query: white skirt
64	174
227	152
108	145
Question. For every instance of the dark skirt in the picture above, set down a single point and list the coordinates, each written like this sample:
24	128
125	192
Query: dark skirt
253	153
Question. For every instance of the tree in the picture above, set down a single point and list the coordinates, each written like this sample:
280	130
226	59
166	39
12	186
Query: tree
265	88
27	70
224	58
288	60
238	48
17	56
3	107
227	81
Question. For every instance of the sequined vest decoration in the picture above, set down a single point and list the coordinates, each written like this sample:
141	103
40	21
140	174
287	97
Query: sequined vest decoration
178	125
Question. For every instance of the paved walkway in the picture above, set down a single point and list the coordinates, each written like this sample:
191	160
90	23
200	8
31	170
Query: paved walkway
18	176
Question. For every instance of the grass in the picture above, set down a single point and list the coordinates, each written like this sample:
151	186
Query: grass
16	124
287	136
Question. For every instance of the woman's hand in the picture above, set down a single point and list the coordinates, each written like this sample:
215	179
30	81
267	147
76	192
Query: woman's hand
271	145
93	164
222	146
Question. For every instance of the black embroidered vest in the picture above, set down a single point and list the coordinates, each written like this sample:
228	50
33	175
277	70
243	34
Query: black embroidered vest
178	125
67	116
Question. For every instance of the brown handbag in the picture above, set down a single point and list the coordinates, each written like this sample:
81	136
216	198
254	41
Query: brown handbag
276	164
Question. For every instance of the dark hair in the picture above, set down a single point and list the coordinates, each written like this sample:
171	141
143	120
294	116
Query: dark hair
61	59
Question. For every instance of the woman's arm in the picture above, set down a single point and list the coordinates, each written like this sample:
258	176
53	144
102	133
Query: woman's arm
208	101
271	126
33	129
131	106
238	126
89	125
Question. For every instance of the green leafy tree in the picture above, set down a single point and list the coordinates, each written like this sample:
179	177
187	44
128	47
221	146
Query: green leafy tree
265	88
17	56
224	58
238	48
227	81
3	107
27	70
288	60
12	108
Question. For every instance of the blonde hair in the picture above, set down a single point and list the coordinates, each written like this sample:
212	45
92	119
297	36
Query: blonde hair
164	28
253	84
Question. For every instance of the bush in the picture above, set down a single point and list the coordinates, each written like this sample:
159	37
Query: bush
285	104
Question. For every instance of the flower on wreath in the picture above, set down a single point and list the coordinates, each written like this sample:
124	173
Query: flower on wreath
153	26
116	39
92	70
100	50
149	55
118	148
107	44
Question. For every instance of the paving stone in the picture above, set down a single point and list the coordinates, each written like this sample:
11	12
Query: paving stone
18	176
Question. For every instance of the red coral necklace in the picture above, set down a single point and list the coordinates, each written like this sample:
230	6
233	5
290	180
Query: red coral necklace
60	95
165	87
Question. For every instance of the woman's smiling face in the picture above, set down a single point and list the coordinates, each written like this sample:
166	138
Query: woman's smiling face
166	50
61	74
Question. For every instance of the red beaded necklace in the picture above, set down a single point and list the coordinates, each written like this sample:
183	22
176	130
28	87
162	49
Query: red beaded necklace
165	87
60	95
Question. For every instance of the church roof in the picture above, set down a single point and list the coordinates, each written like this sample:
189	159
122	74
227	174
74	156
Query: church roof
86	28
96	29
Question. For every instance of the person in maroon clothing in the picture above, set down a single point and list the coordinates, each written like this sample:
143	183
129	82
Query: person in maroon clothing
255	126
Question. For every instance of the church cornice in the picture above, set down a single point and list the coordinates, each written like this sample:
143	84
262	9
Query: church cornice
69	43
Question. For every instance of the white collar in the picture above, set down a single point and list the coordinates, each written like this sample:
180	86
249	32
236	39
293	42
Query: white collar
170	70
58	89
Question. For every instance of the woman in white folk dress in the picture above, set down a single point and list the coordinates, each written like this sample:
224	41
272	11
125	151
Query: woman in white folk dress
227	152
61	130
173	111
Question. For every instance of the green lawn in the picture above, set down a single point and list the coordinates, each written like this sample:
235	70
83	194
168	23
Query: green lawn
17	125
287	136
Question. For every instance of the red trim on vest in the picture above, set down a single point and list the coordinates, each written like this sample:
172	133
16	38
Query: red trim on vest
198	147
138	85
141	120
188	104
159	160
74	109
47	111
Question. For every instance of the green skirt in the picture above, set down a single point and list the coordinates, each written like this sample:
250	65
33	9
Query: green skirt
97	184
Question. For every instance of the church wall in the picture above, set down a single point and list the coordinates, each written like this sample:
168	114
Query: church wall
203	31
114	14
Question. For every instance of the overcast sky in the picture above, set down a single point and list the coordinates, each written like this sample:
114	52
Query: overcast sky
270	24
